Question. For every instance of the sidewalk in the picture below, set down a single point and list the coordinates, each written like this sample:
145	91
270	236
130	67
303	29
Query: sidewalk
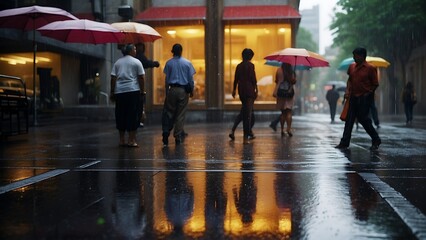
69	179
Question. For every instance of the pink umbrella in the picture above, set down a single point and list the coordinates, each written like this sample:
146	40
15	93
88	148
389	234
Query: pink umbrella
137	32
298	57
31	18
82	31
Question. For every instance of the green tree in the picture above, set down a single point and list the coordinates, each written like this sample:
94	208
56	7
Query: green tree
304	40
391	29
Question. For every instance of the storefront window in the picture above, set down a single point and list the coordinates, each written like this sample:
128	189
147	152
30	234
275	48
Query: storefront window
191	37
263	40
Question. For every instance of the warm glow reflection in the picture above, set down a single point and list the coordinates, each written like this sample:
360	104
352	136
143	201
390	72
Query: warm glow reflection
14	59
284	223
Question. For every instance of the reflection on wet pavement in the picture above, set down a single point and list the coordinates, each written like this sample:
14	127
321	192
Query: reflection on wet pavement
207	188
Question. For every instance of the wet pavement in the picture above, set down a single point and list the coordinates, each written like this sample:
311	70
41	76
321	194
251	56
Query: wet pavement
71	180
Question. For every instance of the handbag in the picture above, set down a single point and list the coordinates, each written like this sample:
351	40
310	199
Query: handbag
344	114
285	90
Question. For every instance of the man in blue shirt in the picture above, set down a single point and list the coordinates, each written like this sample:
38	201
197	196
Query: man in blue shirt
179	87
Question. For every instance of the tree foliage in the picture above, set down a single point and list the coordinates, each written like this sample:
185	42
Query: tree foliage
304	40
391	28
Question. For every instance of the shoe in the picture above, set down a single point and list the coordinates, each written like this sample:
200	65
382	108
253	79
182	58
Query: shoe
375	145
133	145
274	127
178	141
290	134
165	139
231	136
141	125
251	137
341	146
246	140
282	134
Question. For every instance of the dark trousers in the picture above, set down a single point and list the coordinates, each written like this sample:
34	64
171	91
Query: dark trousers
239	118
127	108
332	110
174	111
247	109
359	108
408	108
374	115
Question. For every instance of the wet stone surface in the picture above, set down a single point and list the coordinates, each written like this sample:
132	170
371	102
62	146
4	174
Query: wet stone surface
73	181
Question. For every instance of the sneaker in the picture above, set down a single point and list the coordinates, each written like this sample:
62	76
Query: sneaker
341	146
165	139
375	145
231	136
141	125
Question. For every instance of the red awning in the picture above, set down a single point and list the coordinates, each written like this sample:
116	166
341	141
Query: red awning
172	13
263	12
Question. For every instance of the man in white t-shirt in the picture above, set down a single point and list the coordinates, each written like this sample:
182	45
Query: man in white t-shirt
127	86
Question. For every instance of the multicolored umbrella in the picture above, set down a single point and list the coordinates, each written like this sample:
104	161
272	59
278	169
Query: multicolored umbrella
82	31
375	61
298	57
29	19
137	32
274	63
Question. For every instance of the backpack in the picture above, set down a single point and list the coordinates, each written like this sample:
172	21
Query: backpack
285	90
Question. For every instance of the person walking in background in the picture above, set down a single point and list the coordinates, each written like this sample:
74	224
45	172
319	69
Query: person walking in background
127	86
284	92
409	99
179	87
237	121
361	84
146	63
332	96
245	79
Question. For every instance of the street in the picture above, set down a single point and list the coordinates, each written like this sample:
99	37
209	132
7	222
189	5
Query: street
70	180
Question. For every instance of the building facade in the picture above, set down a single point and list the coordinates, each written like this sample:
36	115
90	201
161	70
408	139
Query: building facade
213	35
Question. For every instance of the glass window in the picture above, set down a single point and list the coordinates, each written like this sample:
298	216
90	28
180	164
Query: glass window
263	39
191	37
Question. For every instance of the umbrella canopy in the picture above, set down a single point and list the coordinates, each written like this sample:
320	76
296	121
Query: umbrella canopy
31	18
298	56
278	64
375	61
137	32
82	31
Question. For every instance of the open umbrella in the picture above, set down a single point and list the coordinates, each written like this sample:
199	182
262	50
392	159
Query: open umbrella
82	31
137	32
274	63
31	18
375	61
298	56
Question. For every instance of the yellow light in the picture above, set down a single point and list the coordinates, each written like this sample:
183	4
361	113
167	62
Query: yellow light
171	32
281	30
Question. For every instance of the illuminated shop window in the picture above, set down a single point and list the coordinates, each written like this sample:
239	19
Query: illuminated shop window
191	37
263	39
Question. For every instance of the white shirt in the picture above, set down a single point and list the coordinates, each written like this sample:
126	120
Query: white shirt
127	69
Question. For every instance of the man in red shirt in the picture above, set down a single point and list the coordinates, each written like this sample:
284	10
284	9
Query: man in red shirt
362	83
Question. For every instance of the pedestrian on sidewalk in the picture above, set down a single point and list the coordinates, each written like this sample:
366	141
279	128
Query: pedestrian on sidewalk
361	84
146	63
245	79
409	99
127	86
179	87
284	92
237	121
332	96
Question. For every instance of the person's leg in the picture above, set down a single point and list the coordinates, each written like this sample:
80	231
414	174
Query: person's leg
237	121
374	114
181	108
132	139
289	119
364	118
282	120
275	122
247	105
167	117
349	123
332	111
251	134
